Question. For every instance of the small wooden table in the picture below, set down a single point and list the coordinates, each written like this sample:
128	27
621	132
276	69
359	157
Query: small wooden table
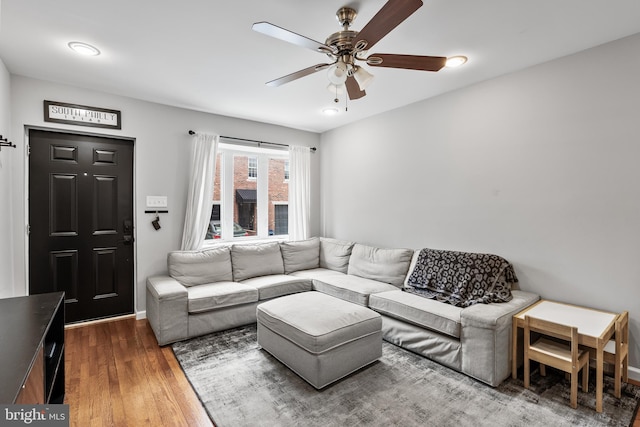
595	329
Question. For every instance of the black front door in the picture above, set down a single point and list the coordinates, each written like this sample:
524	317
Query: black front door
81	222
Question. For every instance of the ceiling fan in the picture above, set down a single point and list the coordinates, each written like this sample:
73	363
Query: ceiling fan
347	47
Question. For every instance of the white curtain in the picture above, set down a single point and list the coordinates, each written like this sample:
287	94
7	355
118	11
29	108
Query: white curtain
200	197
299	192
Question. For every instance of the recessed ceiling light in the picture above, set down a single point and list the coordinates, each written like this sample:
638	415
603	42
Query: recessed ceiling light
330	111
84	49
455	61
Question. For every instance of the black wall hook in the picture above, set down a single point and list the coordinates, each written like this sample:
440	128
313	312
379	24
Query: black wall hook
5	143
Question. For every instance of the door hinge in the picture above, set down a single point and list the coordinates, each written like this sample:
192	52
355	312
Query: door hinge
28	150
28	229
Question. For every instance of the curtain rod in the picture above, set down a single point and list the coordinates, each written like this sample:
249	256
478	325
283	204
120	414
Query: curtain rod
191	132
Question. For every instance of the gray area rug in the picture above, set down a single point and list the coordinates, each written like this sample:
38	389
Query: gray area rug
242	385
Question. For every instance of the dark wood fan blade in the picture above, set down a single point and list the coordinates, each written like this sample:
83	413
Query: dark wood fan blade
387	18
409	62
298	74
289	36
353	89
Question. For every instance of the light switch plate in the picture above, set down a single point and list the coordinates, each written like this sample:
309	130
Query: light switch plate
156	201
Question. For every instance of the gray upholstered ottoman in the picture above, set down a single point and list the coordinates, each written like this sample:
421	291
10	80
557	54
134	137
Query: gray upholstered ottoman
319	337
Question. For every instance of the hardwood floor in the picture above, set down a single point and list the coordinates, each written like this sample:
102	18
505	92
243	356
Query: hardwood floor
117	375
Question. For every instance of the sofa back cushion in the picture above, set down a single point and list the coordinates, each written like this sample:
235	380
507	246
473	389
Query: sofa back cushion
334	254
385	265
199	267
256	260
300	255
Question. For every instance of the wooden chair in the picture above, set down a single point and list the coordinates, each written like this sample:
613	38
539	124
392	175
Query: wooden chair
565	356
616	352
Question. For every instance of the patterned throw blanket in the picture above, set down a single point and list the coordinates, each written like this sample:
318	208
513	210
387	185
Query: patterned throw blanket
460	278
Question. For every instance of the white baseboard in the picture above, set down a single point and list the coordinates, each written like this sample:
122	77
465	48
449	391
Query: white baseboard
634	373
141	315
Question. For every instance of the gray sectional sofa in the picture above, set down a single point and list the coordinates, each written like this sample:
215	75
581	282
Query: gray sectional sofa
219	288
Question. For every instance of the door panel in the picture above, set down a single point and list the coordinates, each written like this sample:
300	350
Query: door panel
105	278
64	205
105	209
81	222
64	273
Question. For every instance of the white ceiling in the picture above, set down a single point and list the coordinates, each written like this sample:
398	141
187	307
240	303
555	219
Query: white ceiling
203	55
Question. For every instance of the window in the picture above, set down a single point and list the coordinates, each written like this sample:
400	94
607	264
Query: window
245	193
281	219
278	197
250	197
252	166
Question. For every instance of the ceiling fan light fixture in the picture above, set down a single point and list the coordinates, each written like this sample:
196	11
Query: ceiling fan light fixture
84	48
345	47
455	61
336	89
330	111
337	73
363	77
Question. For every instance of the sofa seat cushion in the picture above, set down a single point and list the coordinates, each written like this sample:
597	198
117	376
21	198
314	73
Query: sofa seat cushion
256	260
427	313
318	322
212	296
200	267
386	265
350	288
317	273
277	285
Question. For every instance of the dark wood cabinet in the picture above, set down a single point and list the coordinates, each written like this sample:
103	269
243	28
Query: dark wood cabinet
32	349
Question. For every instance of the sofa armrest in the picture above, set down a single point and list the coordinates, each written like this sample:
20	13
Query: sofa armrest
495	315
167	309
486	337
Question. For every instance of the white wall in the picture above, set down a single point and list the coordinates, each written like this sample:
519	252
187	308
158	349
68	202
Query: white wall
7	156
539	166
161	164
